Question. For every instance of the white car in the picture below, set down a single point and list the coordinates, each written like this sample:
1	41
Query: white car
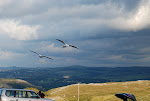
20	95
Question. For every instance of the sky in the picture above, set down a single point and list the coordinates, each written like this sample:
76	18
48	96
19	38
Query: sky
108	33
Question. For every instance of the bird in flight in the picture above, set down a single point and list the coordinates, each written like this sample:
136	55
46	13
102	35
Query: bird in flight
41	56
67	45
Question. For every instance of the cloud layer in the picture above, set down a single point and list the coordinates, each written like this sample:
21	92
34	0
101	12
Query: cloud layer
17	31
108	33
136	20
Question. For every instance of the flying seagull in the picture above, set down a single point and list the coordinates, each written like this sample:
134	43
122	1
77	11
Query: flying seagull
41	56
66	45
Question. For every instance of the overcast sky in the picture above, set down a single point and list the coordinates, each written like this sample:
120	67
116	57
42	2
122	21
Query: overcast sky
109	33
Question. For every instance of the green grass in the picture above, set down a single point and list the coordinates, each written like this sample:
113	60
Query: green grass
101	91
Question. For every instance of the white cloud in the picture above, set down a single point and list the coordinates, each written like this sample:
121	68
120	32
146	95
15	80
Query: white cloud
4	2
145	60
134	20
145	50
97	17
17	31
90	20
42	61
115	57
68	18
7	55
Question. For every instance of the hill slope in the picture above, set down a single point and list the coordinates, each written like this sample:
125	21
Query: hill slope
14	83
101	91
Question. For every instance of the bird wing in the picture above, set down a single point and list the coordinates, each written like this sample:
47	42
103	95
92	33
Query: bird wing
34	52
61	41
47	57
73	46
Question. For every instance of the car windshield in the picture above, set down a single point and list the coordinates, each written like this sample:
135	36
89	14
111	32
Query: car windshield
32	94
10	93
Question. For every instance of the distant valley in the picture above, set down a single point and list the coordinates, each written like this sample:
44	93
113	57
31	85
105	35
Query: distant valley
48	78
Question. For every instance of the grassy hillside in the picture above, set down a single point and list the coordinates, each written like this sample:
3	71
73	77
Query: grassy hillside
14	83
101	91
88	92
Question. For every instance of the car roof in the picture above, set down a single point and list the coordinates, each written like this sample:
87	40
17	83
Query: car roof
15	89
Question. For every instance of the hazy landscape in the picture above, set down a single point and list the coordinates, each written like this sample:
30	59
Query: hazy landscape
48	78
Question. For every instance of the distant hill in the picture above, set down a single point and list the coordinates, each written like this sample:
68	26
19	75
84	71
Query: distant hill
14	83
101	91
49	78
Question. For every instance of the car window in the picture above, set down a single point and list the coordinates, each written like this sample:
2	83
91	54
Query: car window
21	94
10	93
32	94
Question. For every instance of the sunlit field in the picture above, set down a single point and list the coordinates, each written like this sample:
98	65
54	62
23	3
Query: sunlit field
101	91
